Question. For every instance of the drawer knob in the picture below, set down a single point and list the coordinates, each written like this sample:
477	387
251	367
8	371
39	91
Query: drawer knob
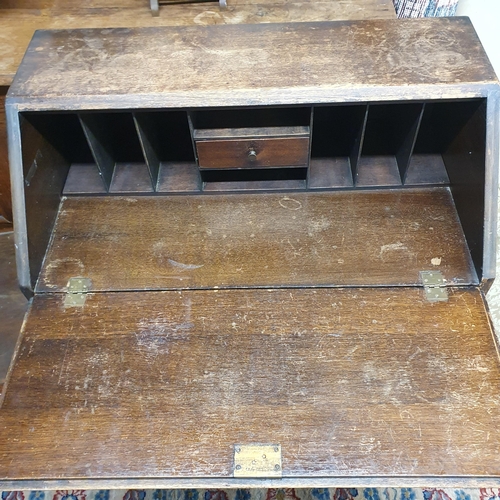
252	155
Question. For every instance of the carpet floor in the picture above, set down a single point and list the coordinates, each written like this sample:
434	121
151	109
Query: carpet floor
262	494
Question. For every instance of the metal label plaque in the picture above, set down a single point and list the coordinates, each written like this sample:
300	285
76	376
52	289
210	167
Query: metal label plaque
257	460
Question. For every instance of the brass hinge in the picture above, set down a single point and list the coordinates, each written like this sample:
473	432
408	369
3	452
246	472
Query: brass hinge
76	293
434	286
257	460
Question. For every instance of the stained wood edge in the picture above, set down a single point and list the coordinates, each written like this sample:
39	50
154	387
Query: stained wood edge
491	183
485	285
225	483
486	76
4	384
309	95
250	133
494	332
18	198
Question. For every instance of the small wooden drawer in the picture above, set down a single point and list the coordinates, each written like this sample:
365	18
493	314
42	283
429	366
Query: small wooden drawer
252	148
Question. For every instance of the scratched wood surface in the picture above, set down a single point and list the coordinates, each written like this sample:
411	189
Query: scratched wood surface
351	382
112	68
13	304
19	20
244	240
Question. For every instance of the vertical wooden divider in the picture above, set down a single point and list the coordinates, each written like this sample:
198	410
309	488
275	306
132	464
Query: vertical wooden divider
97	135
405	151
148	138
309	155
358	146
191	125
191	131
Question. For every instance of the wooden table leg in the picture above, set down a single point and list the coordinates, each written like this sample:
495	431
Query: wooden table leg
155	8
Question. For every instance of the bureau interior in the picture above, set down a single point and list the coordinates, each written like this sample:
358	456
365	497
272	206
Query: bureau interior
344	148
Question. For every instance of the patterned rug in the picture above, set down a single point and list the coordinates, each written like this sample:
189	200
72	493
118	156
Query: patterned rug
262	494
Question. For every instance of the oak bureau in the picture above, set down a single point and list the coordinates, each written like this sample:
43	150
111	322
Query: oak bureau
257	256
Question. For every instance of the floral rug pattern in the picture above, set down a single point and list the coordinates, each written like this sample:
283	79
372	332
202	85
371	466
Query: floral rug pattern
262	494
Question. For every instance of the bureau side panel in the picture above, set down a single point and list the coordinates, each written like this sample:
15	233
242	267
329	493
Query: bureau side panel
38	174
18	197
491	183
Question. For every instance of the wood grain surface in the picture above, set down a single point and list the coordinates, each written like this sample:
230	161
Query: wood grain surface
244	240
268	152
351	382
45	172
113	67
19	20
13	304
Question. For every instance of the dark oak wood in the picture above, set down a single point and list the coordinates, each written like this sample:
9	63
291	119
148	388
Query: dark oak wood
378	170
251	59
148	133
179	177
351	383
390	131
131	178
84	178
426	169
246	79
98	136
249	132
113	139
295	317
13	304
302	239
254	185
355	150
411	125
253	153
330	173
465	163
45	171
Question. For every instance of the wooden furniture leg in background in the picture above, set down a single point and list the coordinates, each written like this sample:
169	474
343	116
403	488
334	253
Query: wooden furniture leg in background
155	4
5	202
155	8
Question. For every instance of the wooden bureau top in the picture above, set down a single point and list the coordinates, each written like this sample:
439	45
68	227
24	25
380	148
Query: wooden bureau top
238	65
